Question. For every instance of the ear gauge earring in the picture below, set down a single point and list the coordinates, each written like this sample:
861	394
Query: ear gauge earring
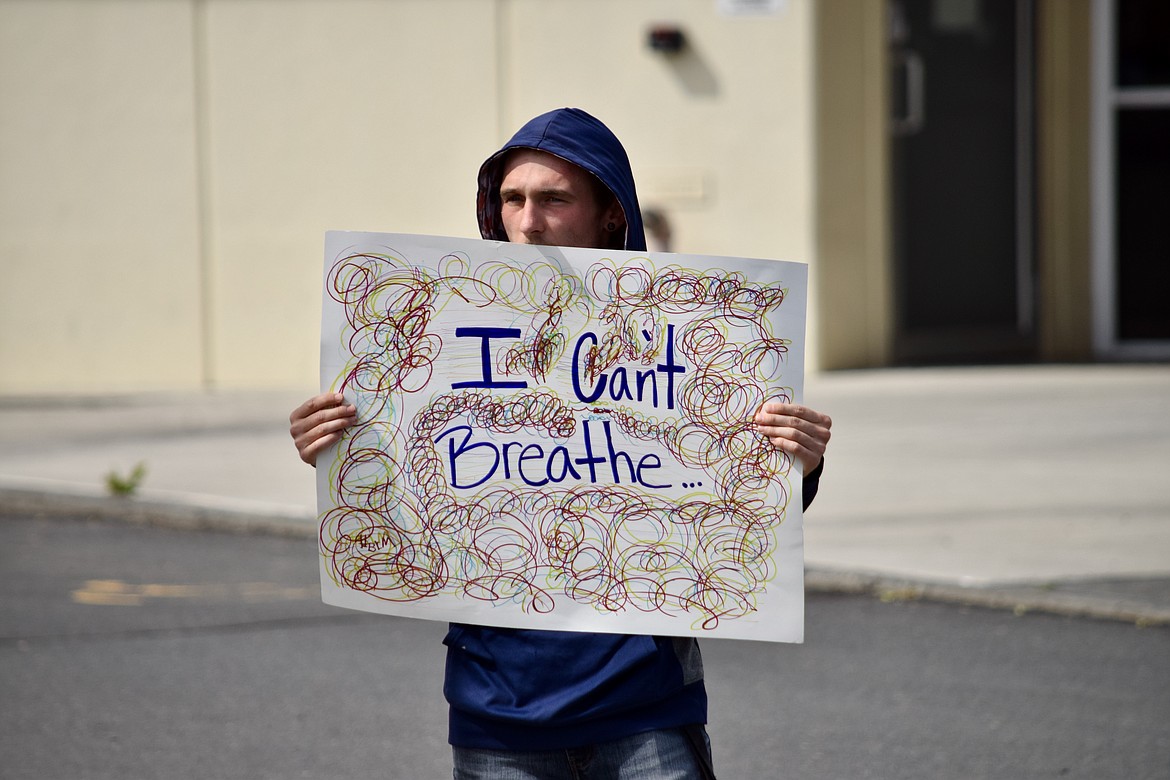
611	227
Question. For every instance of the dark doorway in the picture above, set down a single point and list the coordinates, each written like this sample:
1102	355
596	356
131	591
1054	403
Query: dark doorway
961	157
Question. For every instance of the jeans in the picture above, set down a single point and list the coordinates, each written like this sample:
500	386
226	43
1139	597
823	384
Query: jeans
654	755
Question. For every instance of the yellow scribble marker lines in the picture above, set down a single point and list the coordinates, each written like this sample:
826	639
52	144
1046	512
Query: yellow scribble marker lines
115	593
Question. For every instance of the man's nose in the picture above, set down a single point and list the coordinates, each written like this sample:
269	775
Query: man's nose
531	218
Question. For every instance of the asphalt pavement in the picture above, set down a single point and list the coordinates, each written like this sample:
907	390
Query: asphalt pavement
1039	487
132	652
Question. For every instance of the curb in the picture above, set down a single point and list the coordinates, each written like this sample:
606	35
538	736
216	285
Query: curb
182	511
201	513
1020	599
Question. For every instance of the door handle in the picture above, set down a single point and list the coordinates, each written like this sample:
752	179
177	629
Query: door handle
910	64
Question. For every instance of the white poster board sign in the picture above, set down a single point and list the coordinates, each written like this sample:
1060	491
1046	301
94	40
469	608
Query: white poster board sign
561	438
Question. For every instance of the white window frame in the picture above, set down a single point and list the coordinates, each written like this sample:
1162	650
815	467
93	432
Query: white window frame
1107	98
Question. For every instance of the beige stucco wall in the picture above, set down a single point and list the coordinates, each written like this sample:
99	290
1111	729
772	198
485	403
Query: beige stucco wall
1063	179
99	277
852	185
171	165
719	135
350	115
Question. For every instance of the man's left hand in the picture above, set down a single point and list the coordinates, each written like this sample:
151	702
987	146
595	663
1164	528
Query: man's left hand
801	432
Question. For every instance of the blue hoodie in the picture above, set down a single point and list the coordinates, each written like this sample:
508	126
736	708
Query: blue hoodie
583	140
523	689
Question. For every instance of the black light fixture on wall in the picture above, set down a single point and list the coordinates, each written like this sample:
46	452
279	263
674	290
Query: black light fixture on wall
666	38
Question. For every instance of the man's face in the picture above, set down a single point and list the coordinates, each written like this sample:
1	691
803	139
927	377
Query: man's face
547	200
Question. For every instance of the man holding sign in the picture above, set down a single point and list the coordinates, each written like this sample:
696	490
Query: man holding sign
530	703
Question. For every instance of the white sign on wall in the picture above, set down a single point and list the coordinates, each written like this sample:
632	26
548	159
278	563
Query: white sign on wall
750	7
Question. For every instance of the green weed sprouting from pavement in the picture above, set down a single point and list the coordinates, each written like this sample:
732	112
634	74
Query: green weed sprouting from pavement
127	485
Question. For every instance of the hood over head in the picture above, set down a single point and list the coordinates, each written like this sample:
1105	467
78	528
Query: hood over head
573	135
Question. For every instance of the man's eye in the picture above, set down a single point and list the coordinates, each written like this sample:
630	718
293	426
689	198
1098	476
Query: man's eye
511	199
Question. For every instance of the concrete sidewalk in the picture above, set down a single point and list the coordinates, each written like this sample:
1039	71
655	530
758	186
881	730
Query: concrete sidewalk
1035	487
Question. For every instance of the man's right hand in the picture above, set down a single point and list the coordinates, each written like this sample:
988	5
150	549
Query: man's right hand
319	423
